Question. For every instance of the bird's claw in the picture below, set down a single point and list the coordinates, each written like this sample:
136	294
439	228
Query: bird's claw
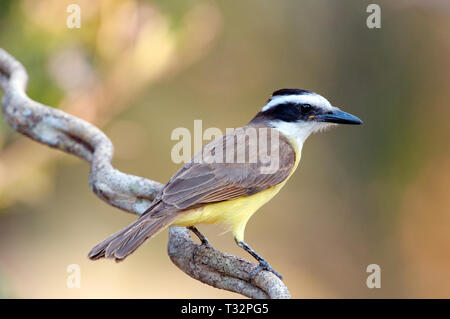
205	242
264	265
203	239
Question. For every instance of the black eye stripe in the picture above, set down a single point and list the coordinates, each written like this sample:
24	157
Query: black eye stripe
289	112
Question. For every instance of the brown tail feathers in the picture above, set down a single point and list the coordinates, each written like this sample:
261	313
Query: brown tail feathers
127	240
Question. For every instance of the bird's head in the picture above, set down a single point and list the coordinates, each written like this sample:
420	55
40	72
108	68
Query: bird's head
298	113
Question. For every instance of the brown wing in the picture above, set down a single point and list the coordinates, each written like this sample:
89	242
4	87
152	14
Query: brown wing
210	178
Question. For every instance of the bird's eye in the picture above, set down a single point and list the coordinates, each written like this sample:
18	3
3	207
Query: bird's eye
305	108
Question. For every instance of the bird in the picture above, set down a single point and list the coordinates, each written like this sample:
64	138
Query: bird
215	187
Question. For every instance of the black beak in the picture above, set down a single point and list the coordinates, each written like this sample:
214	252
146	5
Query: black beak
338	117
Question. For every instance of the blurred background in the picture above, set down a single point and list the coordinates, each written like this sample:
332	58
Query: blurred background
375	194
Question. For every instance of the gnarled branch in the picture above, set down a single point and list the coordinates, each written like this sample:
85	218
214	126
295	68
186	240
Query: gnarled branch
130	193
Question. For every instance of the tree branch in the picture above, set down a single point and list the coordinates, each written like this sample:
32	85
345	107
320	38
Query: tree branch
130	193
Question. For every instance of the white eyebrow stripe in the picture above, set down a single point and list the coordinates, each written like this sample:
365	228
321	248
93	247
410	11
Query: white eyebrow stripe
313	99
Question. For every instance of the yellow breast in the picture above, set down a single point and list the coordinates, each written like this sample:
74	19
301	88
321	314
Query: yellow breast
235	213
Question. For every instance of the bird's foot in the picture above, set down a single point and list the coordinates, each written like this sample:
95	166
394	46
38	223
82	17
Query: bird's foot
264	265
205	242
203	239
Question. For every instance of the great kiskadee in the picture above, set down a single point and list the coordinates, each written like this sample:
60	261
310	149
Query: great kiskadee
229	192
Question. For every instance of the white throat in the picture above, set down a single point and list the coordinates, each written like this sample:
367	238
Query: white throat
298	132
